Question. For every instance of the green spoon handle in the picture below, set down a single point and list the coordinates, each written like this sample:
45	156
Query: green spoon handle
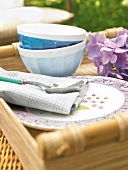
10	79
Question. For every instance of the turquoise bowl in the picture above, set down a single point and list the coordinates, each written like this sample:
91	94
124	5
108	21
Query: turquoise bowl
48	36
59	62
38	43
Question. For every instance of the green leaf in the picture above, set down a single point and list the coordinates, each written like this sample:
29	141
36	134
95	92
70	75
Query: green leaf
82	107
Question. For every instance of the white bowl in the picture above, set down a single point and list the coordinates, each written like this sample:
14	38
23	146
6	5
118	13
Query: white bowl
46	36
57	62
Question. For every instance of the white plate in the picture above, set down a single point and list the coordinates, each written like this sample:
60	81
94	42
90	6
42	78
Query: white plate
104	98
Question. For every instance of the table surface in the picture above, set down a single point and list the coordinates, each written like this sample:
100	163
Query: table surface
86	69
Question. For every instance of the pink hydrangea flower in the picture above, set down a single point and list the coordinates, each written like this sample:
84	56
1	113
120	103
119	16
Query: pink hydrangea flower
115	46
110	56
93	48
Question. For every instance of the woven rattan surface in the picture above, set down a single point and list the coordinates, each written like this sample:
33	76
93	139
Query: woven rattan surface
96	158
8	159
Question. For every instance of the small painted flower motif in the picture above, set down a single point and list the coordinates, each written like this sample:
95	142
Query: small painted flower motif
95	101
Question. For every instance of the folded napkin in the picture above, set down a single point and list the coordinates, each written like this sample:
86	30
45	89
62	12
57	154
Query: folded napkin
33	97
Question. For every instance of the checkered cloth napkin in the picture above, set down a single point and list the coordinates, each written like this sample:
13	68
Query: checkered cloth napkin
34	97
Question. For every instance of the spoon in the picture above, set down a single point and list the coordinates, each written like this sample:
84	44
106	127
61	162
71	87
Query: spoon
49	89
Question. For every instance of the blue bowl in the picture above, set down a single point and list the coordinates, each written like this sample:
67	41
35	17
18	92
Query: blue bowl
59	62
49	36
40	44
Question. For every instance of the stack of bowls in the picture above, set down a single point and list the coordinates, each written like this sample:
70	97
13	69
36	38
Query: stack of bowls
51	49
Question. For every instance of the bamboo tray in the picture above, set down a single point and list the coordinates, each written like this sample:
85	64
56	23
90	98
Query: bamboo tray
101	146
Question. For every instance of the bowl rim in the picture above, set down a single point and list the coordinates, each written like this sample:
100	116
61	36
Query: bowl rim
55	52
73	33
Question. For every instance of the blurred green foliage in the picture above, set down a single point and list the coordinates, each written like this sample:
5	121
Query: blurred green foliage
92	15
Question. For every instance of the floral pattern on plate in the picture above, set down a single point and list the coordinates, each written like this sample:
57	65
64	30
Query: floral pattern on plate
105	97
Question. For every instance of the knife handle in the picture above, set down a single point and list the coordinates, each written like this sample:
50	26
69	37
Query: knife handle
10	79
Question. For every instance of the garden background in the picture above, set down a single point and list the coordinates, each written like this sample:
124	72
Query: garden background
92	15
